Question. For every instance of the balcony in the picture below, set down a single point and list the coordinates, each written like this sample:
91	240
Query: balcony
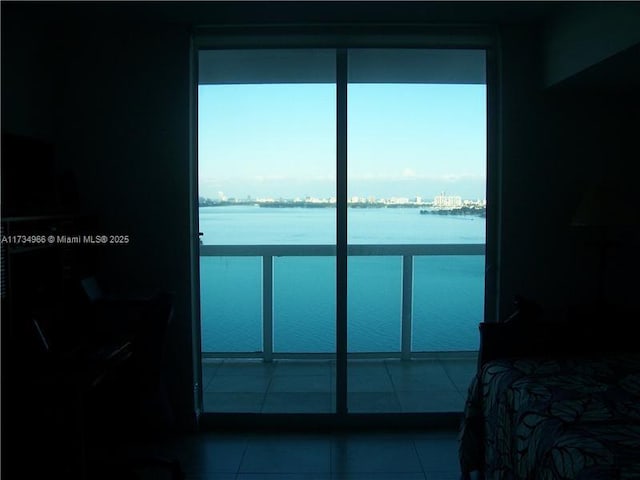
264	370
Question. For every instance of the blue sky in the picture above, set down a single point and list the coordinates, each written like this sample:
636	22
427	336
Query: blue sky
404	140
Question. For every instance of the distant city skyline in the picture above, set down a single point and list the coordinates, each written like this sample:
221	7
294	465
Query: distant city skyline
404	140
439	198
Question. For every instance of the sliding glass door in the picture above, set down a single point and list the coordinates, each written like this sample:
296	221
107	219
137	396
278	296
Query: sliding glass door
416	222
342	210
267	145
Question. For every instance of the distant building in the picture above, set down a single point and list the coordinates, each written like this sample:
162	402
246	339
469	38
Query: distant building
399	200
447	201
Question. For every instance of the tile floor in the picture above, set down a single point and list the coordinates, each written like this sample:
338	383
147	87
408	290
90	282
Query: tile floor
380	455
437	384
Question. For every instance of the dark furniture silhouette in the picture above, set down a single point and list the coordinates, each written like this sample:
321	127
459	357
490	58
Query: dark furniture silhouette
133	407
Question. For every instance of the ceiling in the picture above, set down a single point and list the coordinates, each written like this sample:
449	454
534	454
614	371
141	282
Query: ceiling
213	13
618	73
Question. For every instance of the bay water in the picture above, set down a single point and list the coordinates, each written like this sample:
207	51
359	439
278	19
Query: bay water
448	291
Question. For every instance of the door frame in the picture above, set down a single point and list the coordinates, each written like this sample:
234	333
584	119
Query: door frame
341	38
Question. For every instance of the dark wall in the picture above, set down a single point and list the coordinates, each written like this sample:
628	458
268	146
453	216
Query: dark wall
28	73
123	128
557	144
522	221
110	87
112	95
590	142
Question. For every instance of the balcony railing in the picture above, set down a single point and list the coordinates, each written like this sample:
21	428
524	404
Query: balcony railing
268	252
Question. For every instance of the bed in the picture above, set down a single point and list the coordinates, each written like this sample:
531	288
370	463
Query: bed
555	399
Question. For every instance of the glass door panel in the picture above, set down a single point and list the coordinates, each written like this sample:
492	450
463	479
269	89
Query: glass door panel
375	304
266	174
219	305
305	305
437	280
416	182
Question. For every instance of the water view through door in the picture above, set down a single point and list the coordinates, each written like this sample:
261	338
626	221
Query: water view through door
267	160
416	223
267	209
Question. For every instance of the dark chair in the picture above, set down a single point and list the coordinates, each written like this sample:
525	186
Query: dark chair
132	409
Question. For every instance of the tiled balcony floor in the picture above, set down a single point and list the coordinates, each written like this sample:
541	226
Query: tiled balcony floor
435	384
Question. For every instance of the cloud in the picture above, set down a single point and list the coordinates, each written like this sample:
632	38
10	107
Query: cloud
409	174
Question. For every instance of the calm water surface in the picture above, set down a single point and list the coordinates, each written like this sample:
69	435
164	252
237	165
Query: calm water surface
448	296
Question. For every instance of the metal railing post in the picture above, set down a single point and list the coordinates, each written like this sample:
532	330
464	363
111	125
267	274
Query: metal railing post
407	299
267	308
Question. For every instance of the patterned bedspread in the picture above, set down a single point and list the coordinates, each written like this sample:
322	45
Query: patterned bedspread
538	418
